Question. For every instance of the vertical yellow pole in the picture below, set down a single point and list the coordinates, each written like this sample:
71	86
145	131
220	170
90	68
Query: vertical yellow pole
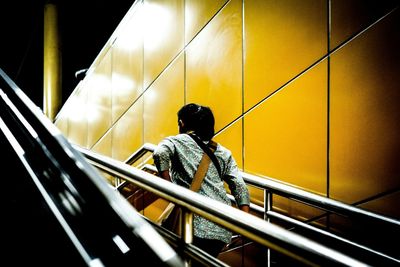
51	63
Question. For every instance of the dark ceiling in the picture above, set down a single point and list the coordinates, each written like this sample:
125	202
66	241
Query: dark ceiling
84	27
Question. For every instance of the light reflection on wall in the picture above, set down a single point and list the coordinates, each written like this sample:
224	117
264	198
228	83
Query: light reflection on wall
92	114
157	21
131	37
99	85
76	109
122	84
151	96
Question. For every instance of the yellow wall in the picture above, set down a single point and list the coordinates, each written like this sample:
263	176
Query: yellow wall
306	92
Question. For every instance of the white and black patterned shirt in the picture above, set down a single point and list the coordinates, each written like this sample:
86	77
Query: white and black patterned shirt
181	155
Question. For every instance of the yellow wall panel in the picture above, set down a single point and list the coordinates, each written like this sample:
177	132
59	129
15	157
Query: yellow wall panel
104	145
162	101
127	67
282	38
127	133
99	100
296	209
384	205
350	17
238	53
163	35
286	136
198	13
62	123
77	116
365	113
213	65
232	139
154	211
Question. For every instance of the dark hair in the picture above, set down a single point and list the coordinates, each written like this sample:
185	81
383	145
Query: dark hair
199	119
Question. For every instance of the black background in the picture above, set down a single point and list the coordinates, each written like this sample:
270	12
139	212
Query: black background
84	27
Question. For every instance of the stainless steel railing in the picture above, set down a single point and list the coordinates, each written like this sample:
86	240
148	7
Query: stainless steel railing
276	187
272	236
271	186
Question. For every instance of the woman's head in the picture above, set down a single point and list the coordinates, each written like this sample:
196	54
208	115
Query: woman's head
197	118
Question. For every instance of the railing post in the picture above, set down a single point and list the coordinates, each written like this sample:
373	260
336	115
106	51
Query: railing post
187	229
267	207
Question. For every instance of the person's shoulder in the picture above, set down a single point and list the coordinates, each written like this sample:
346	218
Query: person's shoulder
166	140
179	137
175	138
223	150
182	136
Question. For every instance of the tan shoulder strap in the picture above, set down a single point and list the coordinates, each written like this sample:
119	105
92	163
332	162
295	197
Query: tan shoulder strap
200	173
195	186
209	149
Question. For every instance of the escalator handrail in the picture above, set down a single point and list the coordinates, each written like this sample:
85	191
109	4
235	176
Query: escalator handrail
316	200
248	225
73	189
288	219
292	192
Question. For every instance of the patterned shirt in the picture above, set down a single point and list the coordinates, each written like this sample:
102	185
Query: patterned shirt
181	155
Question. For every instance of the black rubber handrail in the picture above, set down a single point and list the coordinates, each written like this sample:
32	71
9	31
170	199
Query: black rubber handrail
104	228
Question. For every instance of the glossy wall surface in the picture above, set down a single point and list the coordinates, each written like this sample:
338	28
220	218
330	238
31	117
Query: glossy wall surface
304	92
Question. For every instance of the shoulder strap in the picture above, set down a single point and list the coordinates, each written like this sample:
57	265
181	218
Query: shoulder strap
200	173
209	150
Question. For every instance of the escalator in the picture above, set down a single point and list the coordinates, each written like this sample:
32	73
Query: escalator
57	209
375	247
30	232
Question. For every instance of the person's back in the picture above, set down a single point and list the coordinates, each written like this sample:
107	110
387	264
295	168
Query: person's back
177	159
